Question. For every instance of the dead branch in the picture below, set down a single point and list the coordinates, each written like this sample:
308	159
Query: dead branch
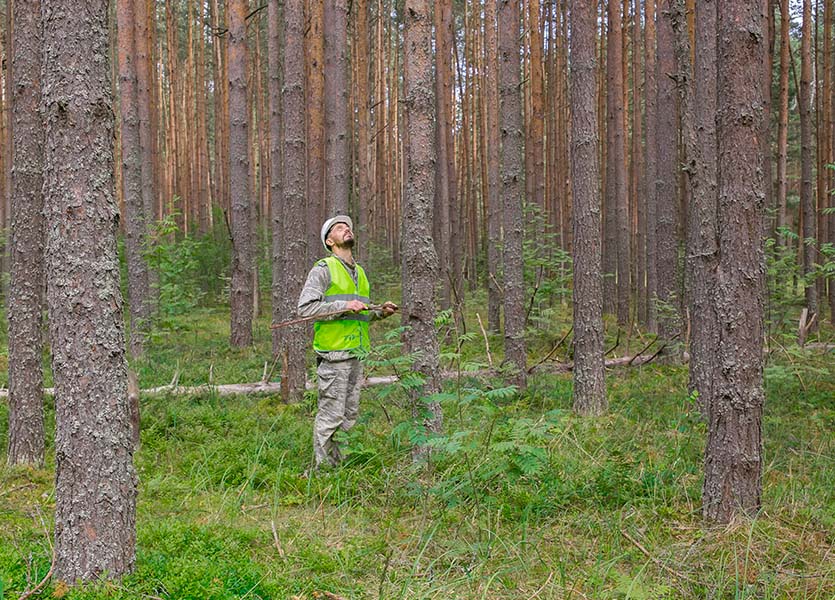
552	351
486	343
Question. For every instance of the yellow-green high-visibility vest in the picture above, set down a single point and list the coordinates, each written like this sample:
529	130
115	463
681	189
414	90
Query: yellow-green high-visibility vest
349	330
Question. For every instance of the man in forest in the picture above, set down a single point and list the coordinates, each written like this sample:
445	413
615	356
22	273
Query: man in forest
337	291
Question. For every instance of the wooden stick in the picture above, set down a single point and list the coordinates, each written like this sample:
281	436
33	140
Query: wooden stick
658	562
554	349
323	316
486	343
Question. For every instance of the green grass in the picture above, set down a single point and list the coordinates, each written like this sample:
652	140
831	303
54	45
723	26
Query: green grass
522	498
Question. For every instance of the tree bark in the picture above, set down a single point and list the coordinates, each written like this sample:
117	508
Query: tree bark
445	149
651	176
25	301
8	146
337	144
289	343
494	299
807	200
589	374
314	109
617	203
537	120
242	222
95	487
420	263
363	102
698	113
783	122
733	455
667	199
512	175
639	187
135	215
279	302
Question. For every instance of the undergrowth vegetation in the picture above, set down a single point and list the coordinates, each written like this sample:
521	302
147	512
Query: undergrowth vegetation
520	497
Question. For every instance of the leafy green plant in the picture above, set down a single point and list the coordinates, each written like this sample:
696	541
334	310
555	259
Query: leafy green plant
189	270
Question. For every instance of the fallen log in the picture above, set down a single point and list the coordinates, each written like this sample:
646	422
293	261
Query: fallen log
274	387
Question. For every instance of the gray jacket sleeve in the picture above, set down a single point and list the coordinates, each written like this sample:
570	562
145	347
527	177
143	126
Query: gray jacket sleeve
312	299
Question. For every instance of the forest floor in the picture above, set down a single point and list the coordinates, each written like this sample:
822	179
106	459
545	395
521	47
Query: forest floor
522	499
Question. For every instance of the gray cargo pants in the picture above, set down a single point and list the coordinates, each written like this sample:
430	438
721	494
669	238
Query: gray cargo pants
339	400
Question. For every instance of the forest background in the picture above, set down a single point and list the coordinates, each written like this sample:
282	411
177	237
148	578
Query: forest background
524	498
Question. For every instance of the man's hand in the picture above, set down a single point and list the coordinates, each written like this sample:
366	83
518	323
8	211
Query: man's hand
356	306
388	309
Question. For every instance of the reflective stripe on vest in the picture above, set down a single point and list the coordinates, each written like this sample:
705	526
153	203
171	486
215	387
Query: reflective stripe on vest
349	330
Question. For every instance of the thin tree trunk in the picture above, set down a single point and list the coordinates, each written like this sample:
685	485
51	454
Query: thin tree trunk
443	134
337	143
494	299
651	177
363	102
667	200
589	374
617	202
280	300
242	222
536	138
420	266
698	112
136	221
807	199
95	483
314	103
289	342
204	209
221	83
783	122
733	455
512	174
25	301
639	187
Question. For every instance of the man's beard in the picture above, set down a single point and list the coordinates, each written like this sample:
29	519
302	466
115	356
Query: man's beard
346	244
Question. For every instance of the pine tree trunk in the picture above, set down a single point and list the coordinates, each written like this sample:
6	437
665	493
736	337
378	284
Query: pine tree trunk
95	484
783	122
136	221
276	191
589	374
639	187
25	301
443	72
289	342
314	102
651	169
536	138
221	83
807	199
5	154
494	299
733	456
242	222
338	156
6	141
203	188
512	185
698	111
363	102
667	200
420	266
617	202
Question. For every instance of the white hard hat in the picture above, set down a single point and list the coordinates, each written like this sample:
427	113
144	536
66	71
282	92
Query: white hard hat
330	223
